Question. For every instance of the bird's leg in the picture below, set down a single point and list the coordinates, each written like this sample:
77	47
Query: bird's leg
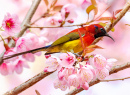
79	56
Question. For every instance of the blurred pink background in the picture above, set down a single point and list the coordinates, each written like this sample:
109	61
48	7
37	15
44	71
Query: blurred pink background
120	49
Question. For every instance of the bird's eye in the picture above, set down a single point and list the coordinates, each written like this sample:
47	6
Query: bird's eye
103	31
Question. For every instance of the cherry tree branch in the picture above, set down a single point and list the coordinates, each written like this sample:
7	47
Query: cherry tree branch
42	75
28	83
112	71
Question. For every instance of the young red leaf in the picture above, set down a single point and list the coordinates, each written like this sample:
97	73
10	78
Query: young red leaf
46	2
105	18
127	24
91	48
53	3
95	4
90	8
117	11
57	8
37	92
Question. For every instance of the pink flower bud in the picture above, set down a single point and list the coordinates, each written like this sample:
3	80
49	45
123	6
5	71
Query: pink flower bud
85	86
70	21
60	21
47	56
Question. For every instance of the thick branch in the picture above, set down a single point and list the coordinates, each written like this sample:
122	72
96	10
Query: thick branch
114	70
28	83
42	75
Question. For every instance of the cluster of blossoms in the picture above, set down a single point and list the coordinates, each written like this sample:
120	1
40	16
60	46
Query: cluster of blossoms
78	75
29	41
11	26
70	71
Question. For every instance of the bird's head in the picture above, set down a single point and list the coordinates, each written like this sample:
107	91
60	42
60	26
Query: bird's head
98	31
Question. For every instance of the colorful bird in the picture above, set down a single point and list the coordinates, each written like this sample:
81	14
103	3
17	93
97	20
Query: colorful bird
74	41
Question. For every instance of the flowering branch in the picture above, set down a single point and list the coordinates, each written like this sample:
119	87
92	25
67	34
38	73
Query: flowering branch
28	83
42	75
26	20
112	71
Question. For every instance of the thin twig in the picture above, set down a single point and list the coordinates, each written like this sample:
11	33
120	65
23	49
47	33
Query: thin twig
115	79
114	70
57	26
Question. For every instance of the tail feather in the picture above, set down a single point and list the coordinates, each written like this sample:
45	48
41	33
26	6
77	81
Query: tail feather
30	51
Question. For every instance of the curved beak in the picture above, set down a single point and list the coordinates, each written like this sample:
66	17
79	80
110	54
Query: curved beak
109	36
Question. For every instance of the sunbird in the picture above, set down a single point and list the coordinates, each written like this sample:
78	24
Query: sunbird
72	40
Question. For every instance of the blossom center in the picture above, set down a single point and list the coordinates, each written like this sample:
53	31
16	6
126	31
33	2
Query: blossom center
9	23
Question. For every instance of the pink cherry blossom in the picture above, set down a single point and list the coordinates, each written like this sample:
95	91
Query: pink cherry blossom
65	73
33	40
102	74
52	21
99	61
11	51
93	71
62	73
67	59
86	75
23	44
42	41
85	4
19	64
60	84
29	57
73	80
4	69
110	63
53	64
53	34
11	24
69	8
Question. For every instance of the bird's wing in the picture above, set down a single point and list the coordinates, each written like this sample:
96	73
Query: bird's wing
66	38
